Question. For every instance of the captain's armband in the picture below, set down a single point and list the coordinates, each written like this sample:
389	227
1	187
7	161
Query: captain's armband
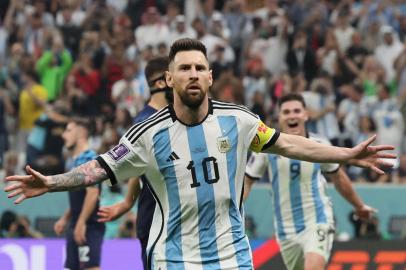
264	138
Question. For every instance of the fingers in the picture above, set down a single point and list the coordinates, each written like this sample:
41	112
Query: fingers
12	187
104	215
370	140
33	172
16	192
377	170
386	155
379	148
17	178
20	199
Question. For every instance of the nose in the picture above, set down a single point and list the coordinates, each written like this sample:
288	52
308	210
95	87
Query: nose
193	73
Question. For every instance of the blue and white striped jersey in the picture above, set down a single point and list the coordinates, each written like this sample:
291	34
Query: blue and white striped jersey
298	190
196	175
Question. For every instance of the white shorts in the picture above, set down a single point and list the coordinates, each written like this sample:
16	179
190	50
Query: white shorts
317	239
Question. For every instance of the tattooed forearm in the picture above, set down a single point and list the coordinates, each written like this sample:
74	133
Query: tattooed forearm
87	174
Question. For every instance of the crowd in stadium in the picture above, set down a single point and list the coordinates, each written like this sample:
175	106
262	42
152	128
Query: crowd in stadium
347	58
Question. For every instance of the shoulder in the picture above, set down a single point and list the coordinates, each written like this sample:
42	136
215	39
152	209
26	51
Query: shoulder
150	124
226	108
144	114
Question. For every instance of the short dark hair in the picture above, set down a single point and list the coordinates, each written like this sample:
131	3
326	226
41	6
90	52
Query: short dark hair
186	44
156	65
291	97
84	122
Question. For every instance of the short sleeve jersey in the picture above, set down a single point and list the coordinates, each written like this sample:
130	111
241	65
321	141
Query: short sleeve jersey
196	176
298	190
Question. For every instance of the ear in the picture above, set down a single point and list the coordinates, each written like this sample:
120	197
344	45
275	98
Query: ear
306	113
169	79
210	77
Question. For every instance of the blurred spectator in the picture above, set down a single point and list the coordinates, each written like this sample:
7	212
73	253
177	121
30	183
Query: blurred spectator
122	120
152	31
212	42
45	143
348	114
32	101
228	88
255	80
181	29
371	74
53	66
128	93
113	67
388	50
24	229
343	31
218	27
399	176
7	224
6	108
320	103
87	79
327	55
301	58
357	52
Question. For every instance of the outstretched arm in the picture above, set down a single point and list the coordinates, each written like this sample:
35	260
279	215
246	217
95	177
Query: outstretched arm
363	155
344	186
35	184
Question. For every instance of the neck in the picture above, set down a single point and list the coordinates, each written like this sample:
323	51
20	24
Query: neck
80	147
158	101
191	116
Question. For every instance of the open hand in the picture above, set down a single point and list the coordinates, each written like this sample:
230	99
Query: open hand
371	157
27	186
110	213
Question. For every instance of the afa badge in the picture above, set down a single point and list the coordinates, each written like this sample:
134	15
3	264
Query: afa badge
223	144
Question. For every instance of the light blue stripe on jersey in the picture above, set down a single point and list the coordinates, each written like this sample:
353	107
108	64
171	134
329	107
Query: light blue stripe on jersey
162	148
273	160
205	199
296	195
228	126
318	204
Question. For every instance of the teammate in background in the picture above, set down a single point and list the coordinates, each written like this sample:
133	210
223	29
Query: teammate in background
194	155
303	213
161	95
84	236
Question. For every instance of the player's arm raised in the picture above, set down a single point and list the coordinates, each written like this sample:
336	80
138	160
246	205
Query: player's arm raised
35	184
298	147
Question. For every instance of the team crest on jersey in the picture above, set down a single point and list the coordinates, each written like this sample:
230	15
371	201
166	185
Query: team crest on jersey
223	144
118	152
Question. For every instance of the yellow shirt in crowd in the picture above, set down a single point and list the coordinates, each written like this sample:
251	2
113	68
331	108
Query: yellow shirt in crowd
29	111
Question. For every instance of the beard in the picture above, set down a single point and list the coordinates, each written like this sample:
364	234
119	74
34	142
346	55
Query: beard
192	101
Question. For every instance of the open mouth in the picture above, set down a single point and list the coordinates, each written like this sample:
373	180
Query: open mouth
293	125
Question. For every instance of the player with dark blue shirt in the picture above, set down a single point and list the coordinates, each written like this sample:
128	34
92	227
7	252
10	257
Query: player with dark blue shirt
161	94
84	236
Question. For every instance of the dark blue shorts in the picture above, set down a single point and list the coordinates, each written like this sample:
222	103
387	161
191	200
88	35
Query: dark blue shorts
88	255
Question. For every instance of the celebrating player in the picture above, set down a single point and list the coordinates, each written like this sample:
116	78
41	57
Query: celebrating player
304	217
194	154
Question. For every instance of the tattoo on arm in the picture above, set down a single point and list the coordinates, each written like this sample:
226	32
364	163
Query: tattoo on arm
87	174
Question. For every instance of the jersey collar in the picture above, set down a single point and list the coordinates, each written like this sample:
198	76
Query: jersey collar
175	118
